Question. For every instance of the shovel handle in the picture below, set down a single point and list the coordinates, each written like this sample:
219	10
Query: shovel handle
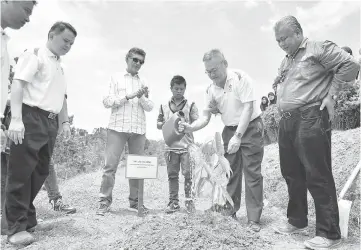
350	180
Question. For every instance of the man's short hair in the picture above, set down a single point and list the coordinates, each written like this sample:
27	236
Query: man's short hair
178	80
60	26
347	49
135	50
213	53
291	22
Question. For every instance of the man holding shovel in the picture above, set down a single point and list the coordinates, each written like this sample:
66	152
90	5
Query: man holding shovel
309	76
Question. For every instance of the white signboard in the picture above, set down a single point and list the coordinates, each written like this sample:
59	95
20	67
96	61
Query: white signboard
141	167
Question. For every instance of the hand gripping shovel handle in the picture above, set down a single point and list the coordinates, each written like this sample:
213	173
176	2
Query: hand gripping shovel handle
350	180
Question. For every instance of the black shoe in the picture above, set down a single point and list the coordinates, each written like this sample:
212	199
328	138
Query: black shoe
58	205
135	207
172	207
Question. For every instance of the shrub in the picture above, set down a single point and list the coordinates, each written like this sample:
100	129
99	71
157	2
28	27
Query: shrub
347	113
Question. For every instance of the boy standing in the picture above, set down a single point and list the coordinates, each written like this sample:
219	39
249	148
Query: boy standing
177	154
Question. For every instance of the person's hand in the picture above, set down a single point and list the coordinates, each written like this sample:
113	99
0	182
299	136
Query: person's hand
212	107
66	130
137	93
3	140
16	130
146	91
184	127
234	145
140	92
329	103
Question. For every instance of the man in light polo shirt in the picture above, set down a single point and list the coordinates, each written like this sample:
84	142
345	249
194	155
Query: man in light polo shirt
37	98
14	15
232	95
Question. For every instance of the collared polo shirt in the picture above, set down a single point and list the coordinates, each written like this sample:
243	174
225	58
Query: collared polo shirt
45	86
5	71
230	99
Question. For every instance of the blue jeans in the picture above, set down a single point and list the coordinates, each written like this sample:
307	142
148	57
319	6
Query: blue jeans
115	146
305	159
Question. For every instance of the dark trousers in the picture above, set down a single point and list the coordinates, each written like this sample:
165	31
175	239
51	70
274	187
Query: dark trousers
4	170
305	158
115	145
28	168
247	159
174	163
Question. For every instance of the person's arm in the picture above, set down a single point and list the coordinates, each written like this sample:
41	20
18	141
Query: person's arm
64	119
344	68
25	70
199	123
112	99
144	100
336	60
160	120
244	92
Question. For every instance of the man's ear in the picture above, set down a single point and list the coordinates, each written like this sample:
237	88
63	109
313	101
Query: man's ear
225	63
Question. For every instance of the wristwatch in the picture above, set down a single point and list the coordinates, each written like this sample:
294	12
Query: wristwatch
239	135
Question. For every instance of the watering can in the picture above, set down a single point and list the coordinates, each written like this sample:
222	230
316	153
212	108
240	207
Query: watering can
170	128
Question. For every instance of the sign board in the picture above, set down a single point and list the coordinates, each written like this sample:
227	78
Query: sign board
141	167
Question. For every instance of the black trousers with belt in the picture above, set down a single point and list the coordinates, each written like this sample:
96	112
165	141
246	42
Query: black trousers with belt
305	159
28	168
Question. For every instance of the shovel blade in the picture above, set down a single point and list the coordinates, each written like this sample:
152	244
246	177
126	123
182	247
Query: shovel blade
344	208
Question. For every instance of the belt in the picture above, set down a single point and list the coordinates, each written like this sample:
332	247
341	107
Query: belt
48	114
235	127
288	114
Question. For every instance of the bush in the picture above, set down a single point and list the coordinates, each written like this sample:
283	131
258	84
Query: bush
347	108
85	152
347	113
271	119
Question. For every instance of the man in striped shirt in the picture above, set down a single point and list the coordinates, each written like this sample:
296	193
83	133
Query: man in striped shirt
128	99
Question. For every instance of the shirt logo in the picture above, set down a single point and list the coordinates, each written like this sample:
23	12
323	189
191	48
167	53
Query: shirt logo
230	87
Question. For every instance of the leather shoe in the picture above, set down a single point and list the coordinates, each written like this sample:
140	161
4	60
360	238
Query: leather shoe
21	238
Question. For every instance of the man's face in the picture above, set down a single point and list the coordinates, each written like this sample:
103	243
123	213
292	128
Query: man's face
134	63
18	13
271	97
287	39
61	43
178	90
216	69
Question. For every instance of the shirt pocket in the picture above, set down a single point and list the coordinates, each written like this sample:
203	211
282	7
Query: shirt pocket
308	67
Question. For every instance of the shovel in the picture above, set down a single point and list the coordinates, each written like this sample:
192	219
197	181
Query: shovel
344	206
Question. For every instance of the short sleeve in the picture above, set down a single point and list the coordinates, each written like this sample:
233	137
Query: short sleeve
26	67
244	89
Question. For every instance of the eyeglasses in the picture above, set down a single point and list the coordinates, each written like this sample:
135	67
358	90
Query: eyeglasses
136	60
214	70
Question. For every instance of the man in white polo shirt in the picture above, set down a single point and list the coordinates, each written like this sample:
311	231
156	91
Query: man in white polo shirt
38	95
232	95
14	15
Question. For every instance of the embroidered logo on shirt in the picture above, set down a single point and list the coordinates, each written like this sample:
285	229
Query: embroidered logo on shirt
230	87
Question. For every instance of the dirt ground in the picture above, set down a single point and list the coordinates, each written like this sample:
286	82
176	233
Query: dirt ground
121	228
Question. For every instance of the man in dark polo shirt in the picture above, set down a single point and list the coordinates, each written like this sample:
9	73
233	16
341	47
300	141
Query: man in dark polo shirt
310	74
